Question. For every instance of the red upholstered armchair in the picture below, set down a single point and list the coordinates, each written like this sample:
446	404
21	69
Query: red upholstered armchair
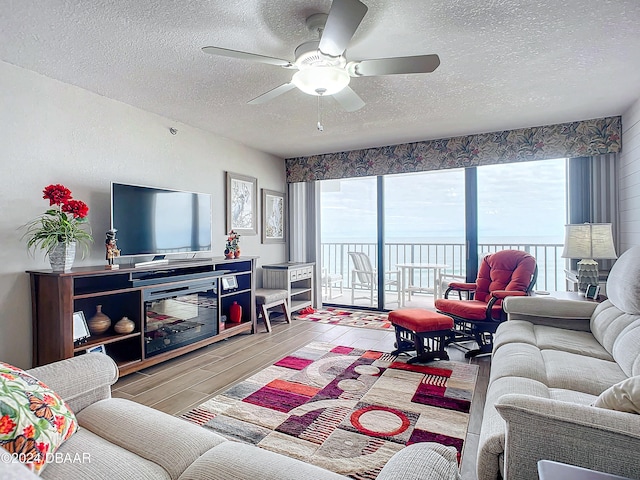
501	274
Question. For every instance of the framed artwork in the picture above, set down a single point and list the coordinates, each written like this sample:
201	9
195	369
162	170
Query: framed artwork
273	217
80	328
242	204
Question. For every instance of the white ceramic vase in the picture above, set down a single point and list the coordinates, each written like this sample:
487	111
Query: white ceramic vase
62	256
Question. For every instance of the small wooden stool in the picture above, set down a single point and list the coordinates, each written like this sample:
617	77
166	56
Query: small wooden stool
267	298
421	330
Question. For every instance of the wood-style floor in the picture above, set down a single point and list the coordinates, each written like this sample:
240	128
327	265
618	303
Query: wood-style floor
180	384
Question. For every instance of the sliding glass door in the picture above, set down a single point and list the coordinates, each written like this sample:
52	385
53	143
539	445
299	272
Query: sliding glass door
349	237
424	233
408	235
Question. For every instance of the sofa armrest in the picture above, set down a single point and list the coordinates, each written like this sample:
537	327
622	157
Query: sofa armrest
80	380
570	314
422	461
581	435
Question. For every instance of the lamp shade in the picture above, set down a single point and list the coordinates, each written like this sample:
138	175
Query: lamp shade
589	240
321	80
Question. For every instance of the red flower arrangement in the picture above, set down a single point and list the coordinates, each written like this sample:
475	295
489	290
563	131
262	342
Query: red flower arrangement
76	208
62	224
56	194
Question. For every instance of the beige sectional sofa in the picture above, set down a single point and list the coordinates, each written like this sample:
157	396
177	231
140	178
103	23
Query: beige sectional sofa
552	360
122	440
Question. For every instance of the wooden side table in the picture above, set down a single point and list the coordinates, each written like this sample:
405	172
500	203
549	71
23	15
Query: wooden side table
294	277
575	296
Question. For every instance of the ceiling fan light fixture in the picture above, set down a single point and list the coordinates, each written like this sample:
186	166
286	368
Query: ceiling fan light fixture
321	80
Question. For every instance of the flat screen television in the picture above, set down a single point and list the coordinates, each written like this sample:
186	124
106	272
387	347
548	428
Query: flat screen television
159	221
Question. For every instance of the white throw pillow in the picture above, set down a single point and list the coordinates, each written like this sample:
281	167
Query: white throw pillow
623	396
623	288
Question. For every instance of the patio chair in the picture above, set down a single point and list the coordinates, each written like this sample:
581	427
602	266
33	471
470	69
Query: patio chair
501	274
329	280
365	278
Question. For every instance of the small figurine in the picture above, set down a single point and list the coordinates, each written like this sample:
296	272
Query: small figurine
112	249
232	249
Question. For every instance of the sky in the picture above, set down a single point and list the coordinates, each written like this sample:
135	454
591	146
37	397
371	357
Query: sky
516	202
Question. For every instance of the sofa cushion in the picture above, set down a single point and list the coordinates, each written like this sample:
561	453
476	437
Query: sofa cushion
518	360
608	322
514	331
623	287
88	456
580	373
168	441
580	343
550	338
239	461
34	420
571	396
623	396
626	349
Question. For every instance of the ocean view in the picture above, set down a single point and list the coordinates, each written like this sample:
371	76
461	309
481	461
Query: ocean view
519	205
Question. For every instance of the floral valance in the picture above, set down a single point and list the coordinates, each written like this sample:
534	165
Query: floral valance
575	139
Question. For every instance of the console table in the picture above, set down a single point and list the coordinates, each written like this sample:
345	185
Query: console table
296	278
176	308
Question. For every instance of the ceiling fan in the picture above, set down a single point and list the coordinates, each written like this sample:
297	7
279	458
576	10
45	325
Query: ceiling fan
323	69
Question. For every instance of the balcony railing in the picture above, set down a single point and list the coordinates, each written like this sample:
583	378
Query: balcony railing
336	260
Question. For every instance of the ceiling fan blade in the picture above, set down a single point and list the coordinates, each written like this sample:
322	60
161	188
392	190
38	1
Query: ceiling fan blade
349	100
397	65
343	21
247	56
271	94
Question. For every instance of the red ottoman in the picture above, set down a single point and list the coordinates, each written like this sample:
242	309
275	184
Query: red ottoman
424	331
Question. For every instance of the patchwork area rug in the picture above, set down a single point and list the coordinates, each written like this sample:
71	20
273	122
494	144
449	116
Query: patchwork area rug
349	318
347	410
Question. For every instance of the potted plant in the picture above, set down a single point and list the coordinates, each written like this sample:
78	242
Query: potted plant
58	230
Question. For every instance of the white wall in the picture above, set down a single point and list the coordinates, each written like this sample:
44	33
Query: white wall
52	132
629	178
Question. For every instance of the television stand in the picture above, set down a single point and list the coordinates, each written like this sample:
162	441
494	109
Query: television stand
196	295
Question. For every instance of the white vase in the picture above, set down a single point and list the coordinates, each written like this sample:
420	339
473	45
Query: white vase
62	256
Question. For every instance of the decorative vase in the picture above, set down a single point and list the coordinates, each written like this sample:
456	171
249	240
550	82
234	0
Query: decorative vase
99	323
236	254
62	256
228	254
235	313
124	325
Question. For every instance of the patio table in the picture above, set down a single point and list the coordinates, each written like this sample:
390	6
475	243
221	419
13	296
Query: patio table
406	279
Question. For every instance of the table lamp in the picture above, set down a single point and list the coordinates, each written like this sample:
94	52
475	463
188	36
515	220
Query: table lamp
588	241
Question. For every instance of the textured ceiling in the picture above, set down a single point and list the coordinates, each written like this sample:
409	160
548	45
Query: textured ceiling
504	64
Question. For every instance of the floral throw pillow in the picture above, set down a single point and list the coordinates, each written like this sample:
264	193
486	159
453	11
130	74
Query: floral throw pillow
34	420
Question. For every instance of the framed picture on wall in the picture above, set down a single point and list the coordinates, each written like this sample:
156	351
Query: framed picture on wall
273	217
242	204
